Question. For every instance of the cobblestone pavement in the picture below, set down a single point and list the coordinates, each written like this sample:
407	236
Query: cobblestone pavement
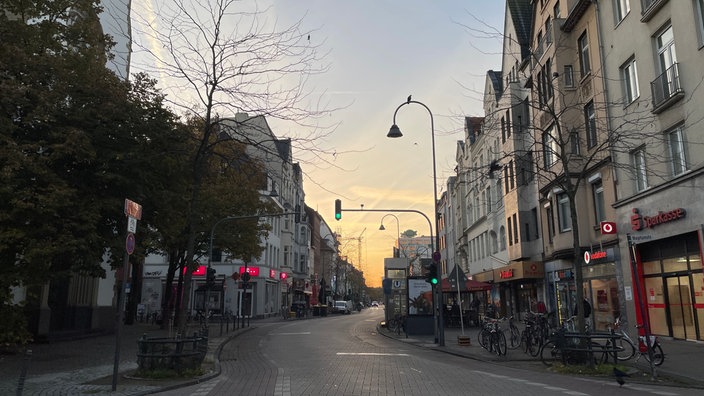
85	366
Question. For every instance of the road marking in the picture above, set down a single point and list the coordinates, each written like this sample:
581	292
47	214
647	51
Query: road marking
206	388
283	384
301	333
370	354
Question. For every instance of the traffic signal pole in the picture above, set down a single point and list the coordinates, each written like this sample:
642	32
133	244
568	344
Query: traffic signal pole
436	289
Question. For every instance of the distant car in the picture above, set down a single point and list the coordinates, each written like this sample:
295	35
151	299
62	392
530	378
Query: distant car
343	307
375	304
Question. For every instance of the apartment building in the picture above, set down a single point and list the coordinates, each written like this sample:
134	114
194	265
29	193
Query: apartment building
574	167
653	65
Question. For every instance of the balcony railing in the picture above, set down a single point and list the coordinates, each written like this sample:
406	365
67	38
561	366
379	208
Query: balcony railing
666	89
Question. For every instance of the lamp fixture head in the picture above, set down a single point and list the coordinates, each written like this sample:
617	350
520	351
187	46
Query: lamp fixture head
381	227
394	132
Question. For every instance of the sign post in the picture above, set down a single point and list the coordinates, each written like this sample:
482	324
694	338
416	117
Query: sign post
133	212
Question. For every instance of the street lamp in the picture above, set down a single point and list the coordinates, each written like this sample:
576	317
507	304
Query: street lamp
395	132
398	230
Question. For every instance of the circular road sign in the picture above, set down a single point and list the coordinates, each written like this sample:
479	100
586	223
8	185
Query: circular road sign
129	243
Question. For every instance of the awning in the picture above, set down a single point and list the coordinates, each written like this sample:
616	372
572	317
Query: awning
470	284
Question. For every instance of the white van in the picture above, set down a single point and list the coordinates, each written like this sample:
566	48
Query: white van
343	307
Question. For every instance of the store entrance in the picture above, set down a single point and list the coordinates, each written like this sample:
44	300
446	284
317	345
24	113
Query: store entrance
680	307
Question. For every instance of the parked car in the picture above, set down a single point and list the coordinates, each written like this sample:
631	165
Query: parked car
343	307
375	304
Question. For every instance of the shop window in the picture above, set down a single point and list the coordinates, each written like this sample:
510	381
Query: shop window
674	264
651	267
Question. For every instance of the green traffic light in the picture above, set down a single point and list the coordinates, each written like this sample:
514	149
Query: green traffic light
338	209
434	281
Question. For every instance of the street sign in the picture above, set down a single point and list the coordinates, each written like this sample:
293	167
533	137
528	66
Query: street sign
131	224
129	243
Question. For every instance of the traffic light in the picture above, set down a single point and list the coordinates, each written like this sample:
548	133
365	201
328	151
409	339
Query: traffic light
338	209
432	275
210	277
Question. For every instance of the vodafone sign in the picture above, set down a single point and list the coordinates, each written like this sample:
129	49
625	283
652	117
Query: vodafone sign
607	227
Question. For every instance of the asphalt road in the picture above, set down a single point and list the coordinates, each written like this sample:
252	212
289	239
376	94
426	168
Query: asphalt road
344	355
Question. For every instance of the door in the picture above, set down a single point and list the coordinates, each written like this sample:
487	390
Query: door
680	307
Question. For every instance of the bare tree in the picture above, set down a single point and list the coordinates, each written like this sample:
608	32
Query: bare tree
217	59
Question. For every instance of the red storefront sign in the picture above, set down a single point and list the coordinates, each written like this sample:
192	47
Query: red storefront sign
639	222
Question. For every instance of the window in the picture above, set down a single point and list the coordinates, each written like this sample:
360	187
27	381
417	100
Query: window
502	238
508	123
551	222
568	75
629	73
583	45
676	147
699	10
549	149
503	130
574	141
488	199
590	124
511	175
515	229
556	9
639	168
563	212
623	7
598	195
510	233
666	49
534	218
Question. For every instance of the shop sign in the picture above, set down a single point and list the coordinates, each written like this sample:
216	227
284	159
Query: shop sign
506	273
152	273
639	222
199	271
594	256
252	271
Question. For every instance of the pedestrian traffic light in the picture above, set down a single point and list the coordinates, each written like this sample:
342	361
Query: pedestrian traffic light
431	275
338	209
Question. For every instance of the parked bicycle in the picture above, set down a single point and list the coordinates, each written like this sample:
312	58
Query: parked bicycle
569	347
626	348
514	335
492	338
397	324
534	334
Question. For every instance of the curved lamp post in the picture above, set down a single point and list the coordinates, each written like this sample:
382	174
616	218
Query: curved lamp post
395	132
398	230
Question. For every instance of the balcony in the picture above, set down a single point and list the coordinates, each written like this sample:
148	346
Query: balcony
649	8
666	89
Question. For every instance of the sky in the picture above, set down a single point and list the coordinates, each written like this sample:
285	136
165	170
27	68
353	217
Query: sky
379	53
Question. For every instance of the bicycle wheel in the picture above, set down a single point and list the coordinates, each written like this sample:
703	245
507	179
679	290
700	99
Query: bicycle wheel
483	338
550	353
500	343
625	349
658	355
536	342
525	341
514	337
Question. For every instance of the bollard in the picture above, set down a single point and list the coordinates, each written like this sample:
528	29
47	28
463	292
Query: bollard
23	373
464	340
